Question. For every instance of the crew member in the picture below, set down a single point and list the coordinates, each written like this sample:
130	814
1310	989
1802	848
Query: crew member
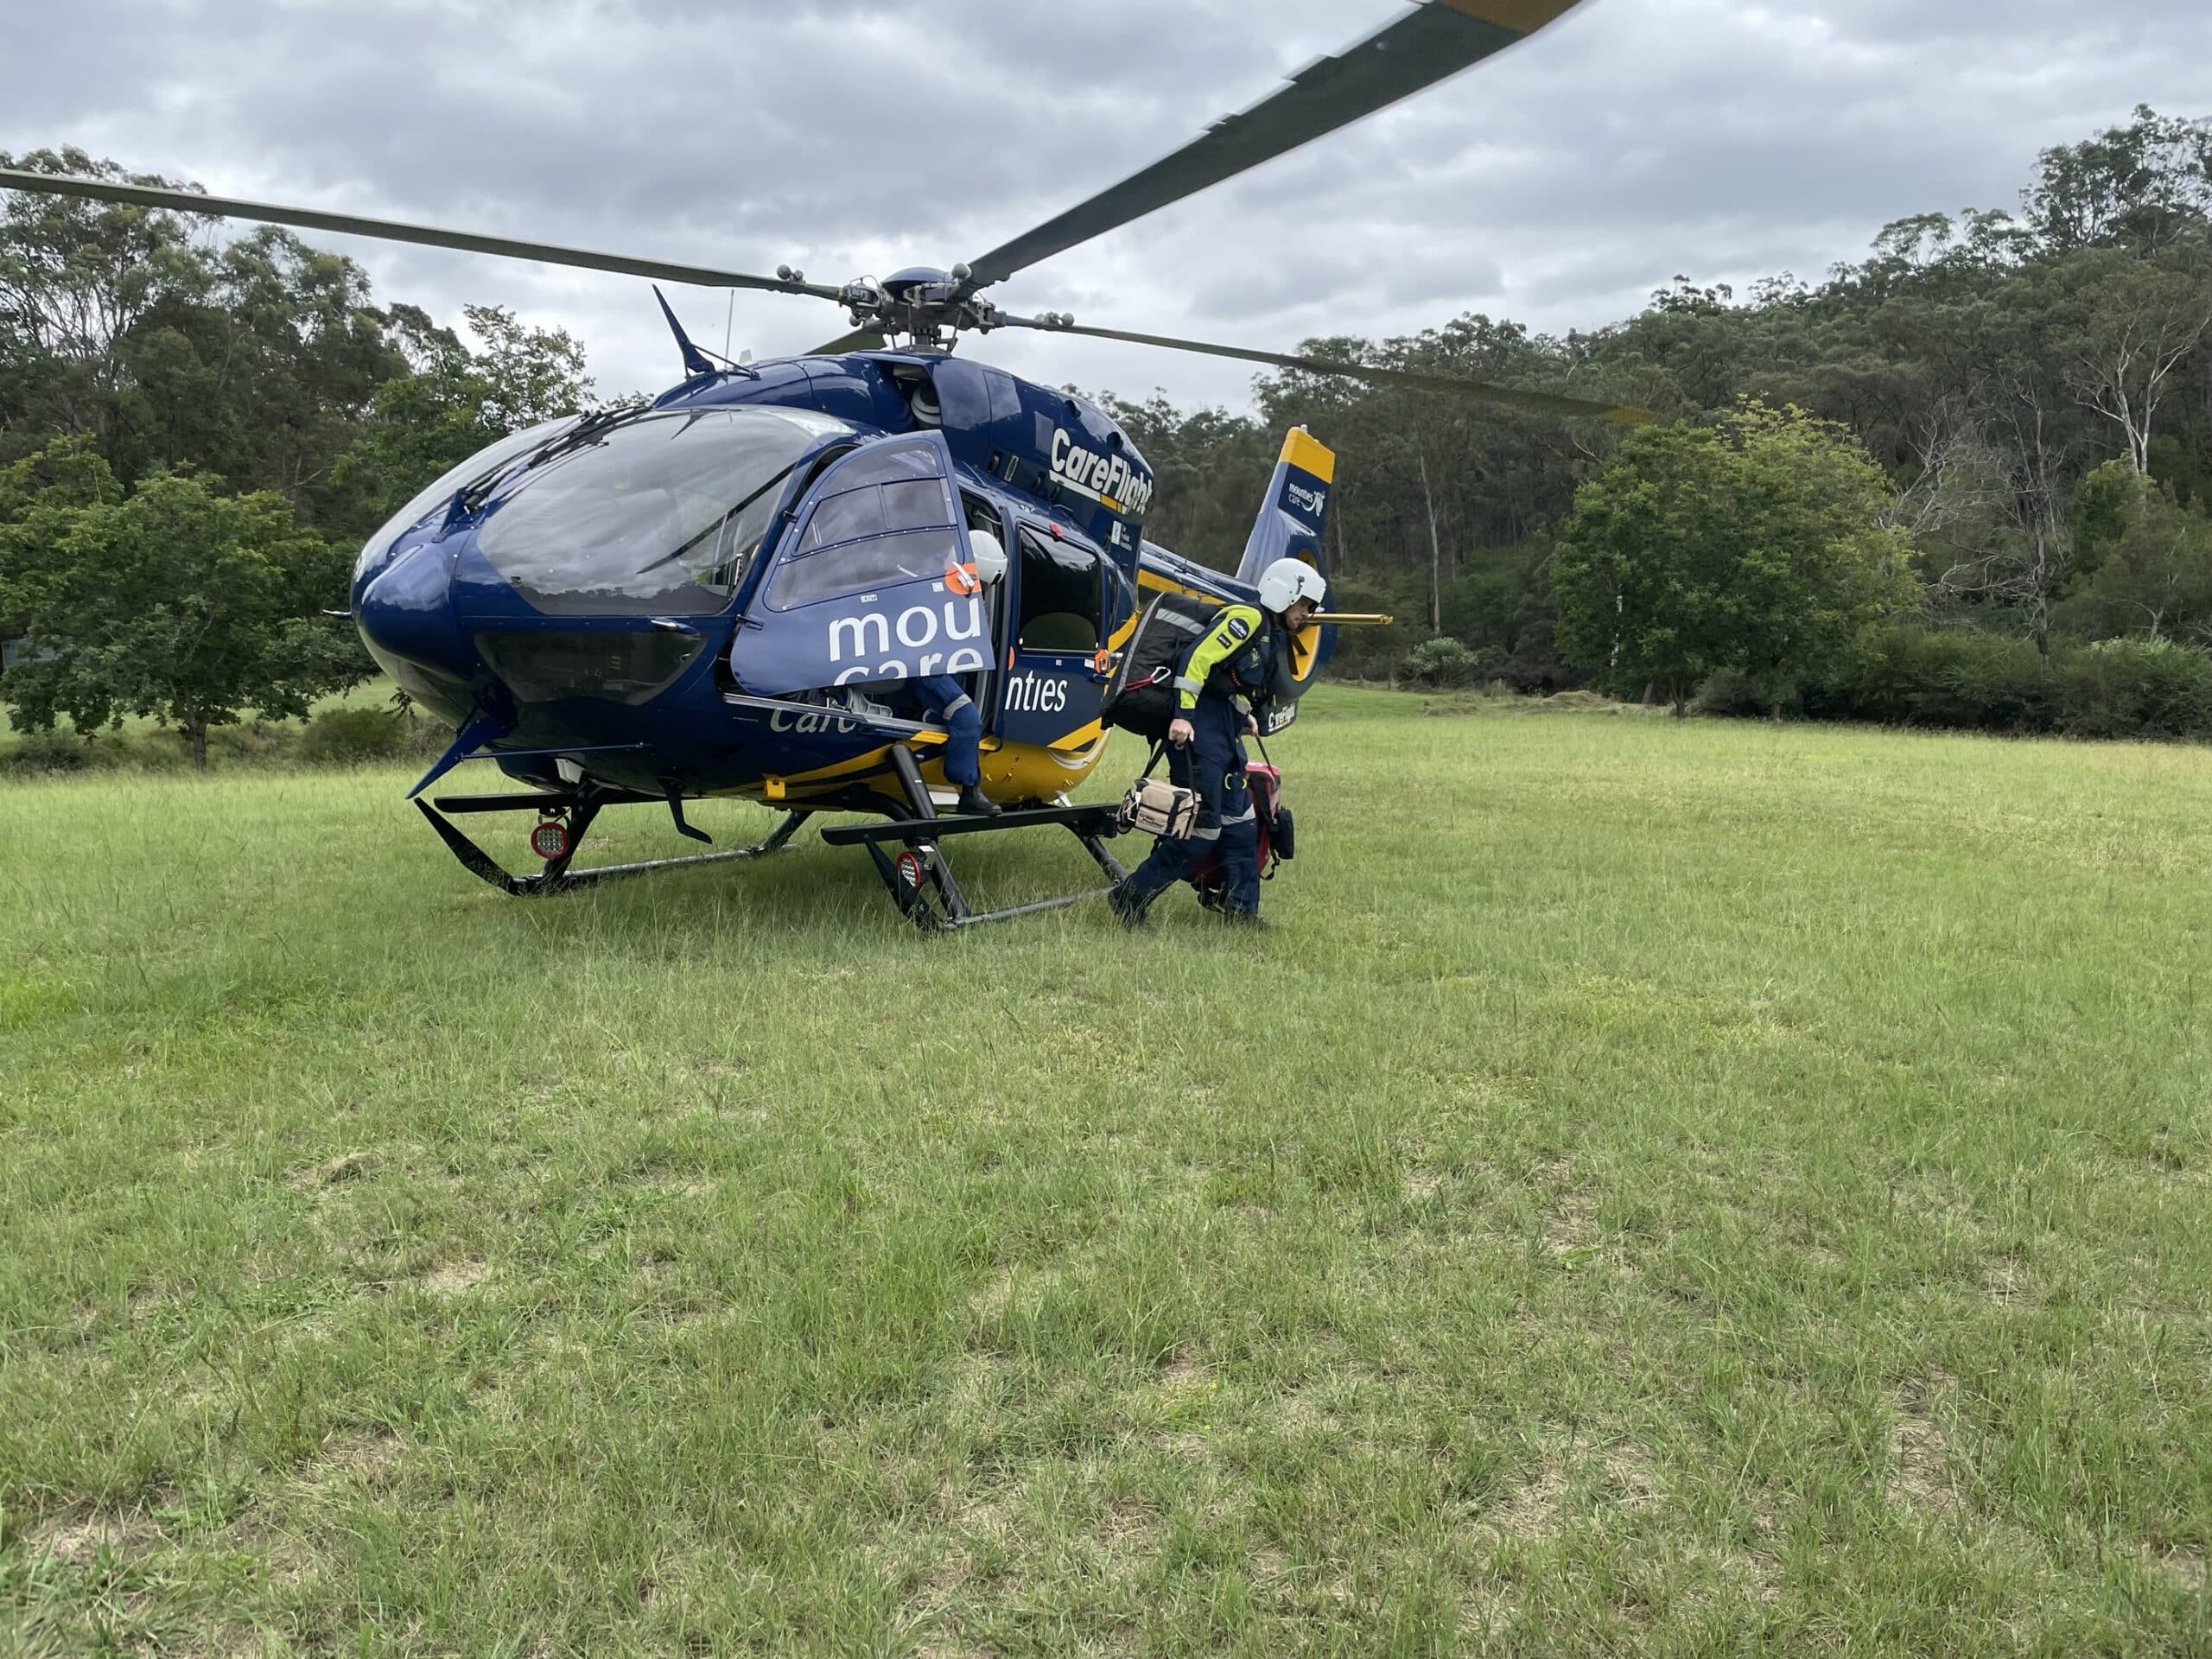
1245	656
943	696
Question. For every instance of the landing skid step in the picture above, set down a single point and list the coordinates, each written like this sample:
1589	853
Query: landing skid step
920	880
1083	820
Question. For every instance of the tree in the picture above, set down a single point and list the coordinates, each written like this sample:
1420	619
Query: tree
77	279
1209	467
454	401
1758	544
2153	571
2142	321
38	495
175	601
2136	187
258	357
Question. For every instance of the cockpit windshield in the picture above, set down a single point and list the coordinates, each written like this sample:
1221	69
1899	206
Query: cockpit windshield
479	468
661	514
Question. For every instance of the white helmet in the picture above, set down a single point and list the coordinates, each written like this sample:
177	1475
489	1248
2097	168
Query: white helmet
988	556
1286	582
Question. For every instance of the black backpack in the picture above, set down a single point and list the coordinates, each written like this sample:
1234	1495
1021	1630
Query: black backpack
1140	697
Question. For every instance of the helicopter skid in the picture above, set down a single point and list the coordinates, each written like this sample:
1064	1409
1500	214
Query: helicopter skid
557	876
922	883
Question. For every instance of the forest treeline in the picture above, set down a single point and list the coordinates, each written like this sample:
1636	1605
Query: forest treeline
197	432
1965	480
2033	384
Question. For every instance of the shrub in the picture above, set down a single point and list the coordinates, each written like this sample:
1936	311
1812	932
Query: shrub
423	739
348	736
1912	676
1444	662
1535	675
1983	682
249	740
1732	696
2134	688
49	751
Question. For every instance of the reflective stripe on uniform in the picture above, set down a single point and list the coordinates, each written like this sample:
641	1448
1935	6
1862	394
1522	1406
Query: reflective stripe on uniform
959	703
1246	816
1212	832
1218	646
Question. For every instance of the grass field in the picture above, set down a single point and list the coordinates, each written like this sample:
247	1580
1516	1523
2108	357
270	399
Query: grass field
1668	1188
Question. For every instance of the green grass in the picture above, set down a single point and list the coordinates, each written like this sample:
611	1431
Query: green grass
1672	1188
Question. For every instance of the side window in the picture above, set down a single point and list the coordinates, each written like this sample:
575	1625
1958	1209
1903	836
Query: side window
889	520
1062	595
1121	599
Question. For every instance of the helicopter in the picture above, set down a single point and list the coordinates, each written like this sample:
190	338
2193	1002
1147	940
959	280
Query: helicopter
715	593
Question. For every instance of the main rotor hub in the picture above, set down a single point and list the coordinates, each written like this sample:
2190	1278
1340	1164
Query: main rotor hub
921	306
928	308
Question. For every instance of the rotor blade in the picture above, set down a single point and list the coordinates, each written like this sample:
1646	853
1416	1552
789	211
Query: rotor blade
1418	50
189	201
861	339
1542	402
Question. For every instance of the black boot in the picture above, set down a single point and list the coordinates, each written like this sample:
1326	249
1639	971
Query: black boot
975	803
1246	918
1127	904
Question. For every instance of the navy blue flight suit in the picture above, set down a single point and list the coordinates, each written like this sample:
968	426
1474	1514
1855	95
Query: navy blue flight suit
1238	652
963	728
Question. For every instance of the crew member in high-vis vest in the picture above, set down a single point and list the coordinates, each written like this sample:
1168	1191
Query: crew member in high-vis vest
943	696
1243	658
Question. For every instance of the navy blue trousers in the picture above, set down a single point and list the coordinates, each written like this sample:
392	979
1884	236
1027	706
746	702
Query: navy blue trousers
963	726
1212	764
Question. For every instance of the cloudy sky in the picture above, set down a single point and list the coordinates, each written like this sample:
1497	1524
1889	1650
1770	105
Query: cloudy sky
1557	184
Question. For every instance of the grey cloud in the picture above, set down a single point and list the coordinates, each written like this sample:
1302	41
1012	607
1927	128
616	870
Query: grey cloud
1558	184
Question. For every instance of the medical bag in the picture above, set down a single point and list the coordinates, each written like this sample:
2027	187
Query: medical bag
1158	808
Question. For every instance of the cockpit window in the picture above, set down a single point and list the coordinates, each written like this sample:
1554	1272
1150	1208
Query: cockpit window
888	519
478	469
655	515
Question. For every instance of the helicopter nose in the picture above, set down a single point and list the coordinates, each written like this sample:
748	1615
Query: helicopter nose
405	616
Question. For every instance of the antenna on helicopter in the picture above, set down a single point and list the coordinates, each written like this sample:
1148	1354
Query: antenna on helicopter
697	359
694	360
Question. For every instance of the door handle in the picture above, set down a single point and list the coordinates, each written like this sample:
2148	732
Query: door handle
670	625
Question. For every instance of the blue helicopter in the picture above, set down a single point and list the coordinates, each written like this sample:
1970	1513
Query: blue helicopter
720	593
